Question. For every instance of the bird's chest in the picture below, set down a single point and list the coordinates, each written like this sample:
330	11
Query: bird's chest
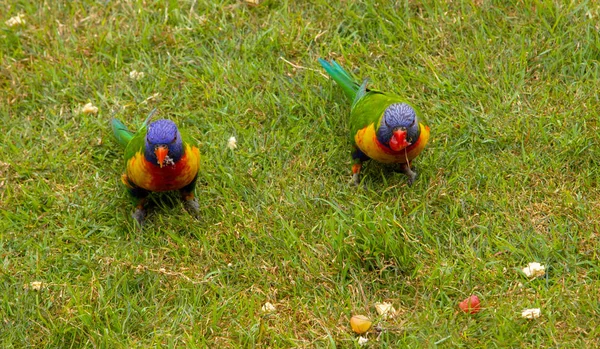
366	140
155	178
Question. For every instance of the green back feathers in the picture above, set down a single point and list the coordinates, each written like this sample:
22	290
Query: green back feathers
369	110
122	133
131	141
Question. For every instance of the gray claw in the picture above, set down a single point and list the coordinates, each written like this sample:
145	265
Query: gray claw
192	207
412	175
139	215
355	179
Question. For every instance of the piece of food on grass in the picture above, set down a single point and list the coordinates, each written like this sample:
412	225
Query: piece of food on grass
360	323
386	310
531	313
534	269
470	305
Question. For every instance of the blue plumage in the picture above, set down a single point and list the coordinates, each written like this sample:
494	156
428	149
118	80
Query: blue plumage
398	116
163	133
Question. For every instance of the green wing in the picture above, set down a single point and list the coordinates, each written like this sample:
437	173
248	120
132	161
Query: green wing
187	139
368	109
137	143
133	142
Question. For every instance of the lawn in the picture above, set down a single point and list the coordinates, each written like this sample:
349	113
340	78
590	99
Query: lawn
509	89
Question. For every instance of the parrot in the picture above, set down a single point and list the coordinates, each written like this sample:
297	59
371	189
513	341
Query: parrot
383	127
157	159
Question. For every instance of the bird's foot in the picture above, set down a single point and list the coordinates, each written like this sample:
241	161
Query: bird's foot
411	178
356	173
412	175
192	207
139	215
355	182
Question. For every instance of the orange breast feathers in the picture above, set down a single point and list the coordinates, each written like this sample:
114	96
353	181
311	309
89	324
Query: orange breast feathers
366	140
151	177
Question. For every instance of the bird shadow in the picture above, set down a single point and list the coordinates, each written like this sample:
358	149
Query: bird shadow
161	208
379	177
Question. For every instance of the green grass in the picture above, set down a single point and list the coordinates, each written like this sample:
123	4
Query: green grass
509	89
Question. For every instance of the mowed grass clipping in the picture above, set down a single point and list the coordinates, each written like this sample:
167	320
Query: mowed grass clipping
509	89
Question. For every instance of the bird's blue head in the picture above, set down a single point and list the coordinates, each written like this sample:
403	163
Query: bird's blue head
163	143
399	126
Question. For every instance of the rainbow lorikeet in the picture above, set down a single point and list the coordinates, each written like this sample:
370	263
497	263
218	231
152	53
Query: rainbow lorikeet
383	126
158	158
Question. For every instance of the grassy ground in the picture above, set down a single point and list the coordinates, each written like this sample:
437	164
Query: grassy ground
509	89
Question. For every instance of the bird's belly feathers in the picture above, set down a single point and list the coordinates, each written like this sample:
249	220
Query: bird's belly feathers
366	140
151	177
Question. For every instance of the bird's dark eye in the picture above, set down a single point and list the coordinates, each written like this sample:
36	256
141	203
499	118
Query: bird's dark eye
174	139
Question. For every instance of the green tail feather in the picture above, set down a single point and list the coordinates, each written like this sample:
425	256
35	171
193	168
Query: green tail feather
122	134
339	75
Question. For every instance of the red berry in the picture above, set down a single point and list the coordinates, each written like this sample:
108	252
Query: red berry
470	305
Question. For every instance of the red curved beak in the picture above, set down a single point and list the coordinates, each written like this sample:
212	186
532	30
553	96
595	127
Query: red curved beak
161	153
398	140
